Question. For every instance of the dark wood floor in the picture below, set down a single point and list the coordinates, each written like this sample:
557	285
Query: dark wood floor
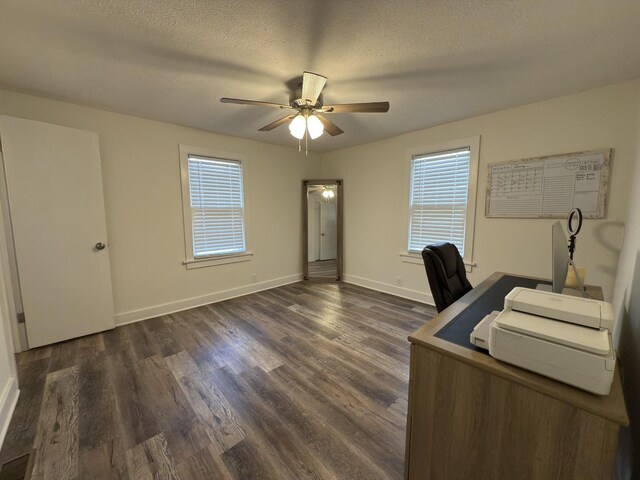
302	381
323	268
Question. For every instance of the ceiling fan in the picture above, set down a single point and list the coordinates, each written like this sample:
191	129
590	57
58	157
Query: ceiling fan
307	104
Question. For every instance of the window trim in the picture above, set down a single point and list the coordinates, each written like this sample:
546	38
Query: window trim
190	261
473	143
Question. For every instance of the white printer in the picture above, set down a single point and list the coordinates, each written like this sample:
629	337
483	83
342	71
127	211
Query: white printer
562	337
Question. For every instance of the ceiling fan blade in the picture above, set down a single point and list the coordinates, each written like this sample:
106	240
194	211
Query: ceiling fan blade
372	107
312	85
240	101
277	123
330	127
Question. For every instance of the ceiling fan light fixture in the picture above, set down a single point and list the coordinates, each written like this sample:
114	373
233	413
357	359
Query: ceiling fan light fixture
314	126
297	127
327	193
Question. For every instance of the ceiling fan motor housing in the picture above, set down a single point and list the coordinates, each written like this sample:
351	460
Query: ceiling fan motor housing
296	101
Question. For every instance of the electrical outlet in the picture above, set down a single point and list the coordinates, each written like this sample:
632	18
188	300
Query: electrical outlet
399	281
254	278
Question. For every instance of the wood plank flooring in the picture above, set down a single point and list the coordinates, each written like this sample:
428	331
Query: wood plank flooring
305	381
323	268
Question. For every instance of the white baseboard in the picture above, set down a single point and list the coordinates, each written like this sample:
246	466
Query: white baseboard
133	316
8	401
172	307
391	289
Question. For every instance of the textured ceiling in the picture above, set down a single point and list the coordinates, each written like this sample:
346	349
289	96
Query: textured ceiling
434	61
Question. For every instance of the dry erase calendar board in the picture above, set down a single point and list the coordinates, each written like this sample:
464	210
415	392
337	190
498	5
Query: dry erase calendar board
549	187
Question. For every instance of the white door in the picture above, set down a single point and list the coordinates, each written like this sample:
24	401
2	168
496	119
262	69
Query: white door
54	184
316	231
313	228
328	238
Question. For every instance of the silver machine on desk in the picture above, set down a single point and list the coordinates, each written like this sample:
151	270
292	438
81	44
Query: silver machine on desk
562	337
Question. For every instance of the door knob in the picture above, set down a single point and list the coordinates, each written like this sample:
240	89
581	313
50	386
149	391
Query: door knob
100	246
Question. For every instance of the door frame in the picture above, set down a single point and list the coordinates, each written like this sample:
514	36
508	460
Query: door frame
8	260
305	228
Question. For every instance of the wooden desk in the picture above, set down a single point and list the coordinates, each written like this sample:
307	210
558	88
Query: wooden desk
471	416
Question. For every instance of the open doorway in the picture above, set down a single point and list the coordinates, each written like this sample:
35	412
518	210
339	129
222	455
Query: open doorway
322	252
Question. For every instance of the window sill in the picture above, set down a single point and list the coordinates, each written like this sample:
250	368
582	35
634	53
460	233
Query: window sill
416	258
219	260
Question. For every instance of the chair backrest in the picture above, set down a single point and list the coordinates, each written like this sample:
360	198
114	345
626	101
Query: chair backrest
446	273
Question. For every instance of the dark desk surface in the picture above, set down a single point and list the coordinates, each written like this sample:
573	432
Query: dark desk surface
459	329
483	299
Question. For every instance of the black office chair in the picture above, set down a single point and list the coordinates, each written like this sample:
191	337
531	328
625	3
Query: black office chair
446	274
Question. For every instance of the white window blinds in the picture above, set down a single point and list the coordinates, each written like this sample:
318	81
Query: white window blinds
217	206
438	202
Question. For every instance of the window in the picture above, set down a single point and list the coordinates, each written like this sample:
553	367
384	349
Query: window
442	197
213	204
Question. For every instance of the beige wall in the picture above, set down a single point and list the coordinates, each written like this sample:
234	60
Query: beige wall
376	180
626	302
141	175
144	218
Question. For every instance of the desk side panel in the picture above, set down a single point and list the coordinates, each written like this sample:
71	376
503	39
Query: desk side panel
468	423
410	398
